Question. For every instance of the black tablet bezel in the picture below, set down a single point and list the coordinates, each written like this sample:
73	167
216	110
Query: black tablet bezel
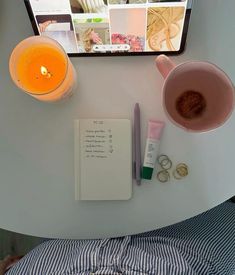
181	50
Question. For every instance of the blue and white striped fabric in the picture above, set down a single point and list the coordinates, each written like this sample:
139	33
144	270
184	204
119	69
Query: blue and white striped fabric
201	245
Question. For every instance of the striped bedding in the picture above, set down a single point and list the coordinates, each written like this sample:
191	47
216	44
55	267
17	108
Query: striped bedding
204	244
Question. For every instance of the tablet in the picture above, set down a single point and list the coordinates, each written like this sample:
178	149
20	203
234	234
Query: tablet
113	27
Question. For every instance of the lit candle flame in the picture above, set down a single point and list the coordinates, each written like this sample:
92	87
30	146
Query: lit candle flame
45	72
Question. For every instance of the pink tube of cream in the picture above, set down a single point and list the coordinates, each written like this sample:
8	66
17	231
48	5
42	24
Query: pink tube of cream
155	129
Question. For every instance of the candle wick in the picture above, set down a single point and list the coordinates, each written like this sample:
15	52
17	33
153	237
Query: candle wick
48	75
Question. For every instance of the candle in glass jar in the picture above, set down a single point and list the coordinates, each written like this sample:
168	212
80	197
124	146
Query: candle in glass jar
39	66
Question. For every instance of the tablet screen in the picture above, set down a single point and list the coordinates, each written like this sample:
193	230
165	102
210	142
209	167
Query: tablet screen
113	27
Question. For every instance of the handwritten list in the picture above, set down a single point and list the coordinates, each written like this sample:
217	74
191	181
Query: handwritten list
98	142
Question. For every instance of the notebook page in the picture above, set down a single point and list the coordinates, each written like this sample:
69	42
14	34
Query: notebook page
104	168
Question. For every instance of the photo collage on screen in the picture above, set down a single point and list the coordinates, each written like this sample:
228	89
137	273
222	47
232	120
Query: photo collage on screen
89	26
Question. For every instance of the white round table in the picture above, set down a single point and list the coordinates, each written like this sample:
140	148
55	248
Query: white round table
37	139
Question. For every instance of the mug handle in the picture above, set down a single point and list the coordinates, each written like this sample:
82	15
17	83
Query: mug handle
165	65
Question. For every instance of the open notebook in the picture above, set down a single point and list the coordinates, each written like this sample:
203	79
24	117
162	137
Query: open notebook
103	162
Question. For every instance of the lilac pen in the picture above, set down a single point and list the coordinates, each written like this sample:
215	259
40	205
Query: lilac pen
137	145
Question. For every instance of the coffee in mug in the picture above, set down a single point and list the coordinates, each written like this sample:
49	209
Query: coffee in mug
197	96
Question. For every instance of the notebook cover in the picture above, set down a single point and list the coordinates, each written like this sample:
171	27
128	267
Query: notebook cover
103	159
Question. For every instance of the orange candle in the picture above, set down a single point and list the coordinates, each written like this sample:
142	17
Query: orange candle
39	66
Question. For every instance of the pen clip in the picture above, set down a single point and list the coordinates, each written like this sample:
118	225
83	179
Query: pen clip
134	170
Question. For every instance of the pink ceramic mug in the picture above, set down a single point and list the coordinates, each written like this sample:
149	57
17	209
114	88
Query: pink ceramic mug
197	96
